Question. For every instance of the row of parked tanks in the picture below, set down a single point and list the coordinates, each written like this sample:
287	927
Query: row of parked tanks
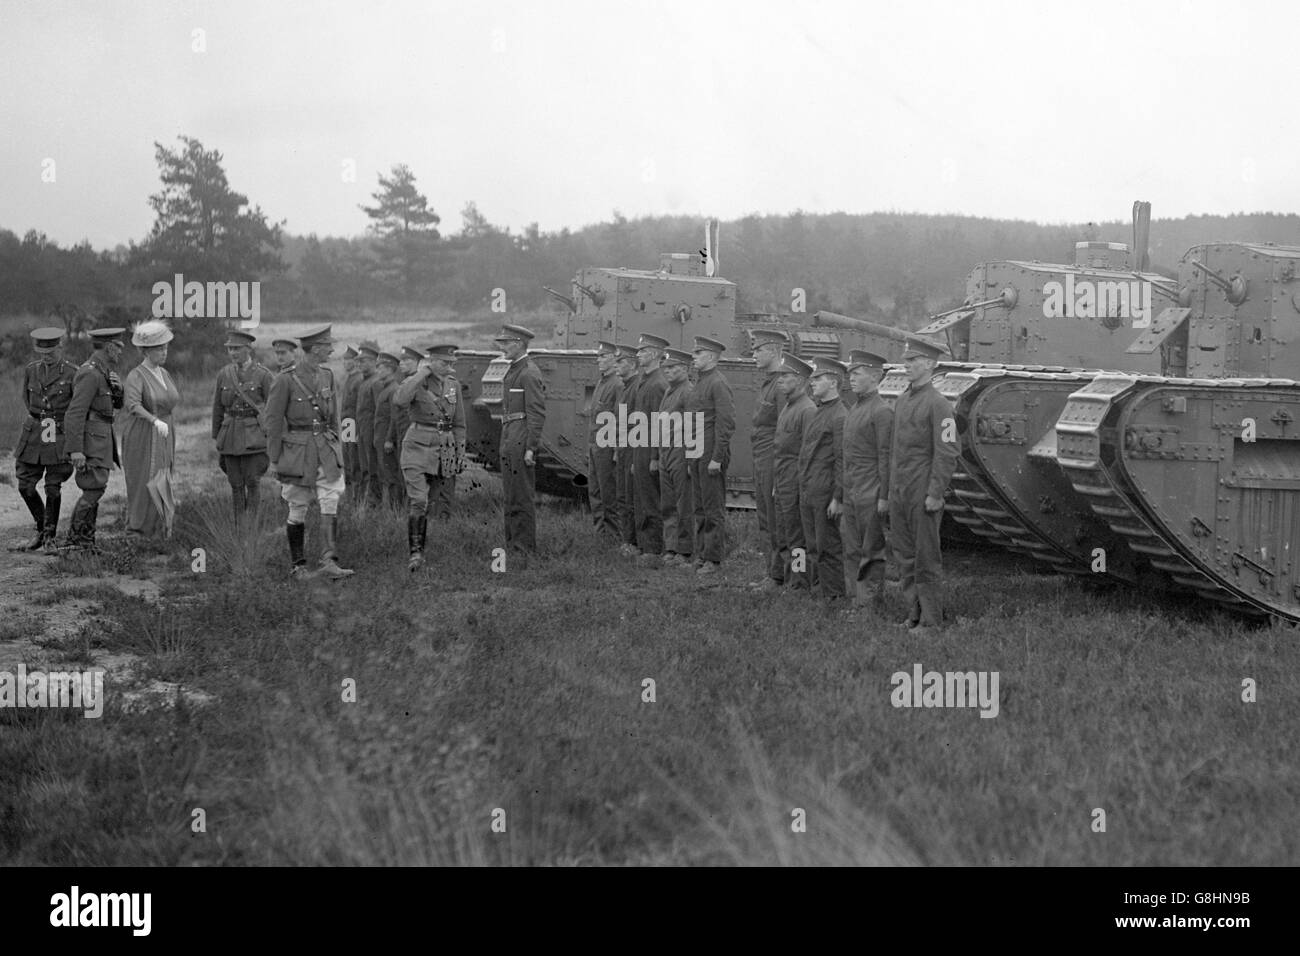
1113	421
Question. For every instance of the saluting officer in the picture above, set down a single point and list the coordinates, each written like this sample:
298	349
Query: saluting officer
868	435
238	403
649	395
671	464
786	444
433	448
711	396
630	375
411	357
302	425
47	390
821	478
923	458
768	344
524	393
602	489
88	430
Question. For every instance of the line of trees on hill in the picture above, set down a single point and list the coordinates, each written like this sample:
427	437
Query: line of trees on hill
890	267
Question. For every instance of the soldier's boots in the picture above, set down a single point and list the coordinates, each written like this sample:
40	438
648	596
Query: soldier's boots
329	566
37	508
81	532
416	529
296	533
238	501
53	505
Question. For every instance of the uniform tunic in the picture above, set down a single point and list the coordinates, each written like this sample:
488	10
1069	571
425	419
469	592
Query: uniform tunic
369	461
521	431
433	444
647	512
302	438
762	436
868	434
711	396
47	390
677	507
602	488
389	468
821	481
352	449
237	403
921	465
88	428
623	472
787	440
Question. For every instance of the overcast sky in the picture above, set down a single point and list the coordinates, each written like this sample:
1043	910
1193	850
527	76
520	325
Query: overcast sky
560	112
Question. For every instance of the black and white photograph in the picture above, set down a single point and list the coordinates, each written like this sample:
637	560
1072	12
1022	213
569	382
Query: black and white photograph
651	434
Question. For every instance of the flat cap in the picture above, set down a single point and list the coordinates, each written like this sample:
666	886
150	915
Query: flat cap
389	357
862	357
411	352
317	336
676	357
921	348
107	335
627	352
365	348
607	348
442	351
703	344
350	352
794	364
236	337
513	333
768	337
652	341
284	343
47	337
821	365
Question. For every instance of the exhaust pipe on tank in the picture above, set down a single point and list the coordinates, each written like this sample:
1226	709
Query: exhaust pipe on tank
1141	236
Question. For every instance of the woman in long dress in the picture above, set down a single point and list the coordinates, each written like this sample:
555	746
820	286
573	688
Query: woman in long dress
149	440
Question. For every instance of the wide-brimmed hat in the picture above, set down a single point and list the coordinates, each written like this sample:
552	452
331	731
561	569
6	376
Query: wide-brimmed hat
151	333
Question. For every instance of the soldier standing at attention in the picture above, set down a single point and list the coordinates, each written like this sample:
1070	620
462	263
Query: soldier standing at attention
768	344
524	394
433	446
369	490
286	354
868	434
351	455
671	465
628	374
602	491
711	396
47	390
385	447
411	357
88	430
786	443
650	389
923	458
302	432
821	478
238	403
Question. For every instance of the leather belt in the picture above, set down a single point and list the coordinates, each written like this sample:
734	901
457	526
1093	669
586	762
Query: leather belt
100	417
514	416
316	428
234	414
437	425
41	416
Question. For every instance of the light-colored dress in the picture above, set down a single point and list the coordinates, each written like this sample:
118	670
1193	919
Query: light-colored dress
150	394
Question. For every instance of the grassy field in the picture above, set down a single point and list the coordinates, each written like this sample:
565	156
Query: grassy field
520	696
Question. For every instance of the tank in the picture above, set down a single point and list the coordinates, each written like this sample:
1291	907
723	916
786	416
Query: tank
683	298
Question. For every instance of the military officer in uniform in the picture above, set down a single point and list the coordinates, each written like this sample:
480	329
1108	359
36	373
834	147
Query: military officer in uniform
302	426
628	376
868	435
351	458
385	448
365	430
524	394
433	448
602	491
821	478
768	344
671	466
787	441
88	430
238	404
286	353
47	390
711	397
411	357
649	395
922	461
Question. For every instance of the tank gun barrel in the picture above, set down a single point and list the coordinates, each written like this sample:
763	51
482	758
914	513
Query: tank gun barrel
573	306
836	321
597	298
1170	291
1213	276
1234	289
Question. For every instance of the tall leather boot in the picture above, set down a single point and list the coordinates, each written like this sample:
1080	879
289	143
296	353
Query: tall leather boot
252	501
53	505
296	533
329	565
237	501
37	507
415	541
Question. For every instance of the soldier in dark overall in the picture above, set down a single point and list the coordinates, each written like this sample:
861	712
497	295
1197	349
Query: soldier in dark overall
88	431
923	459
302	440
711	397
351	457
650	388
524	395
868	435
787	441
768	344
390	474
821	478
629	376
670	463
47	390
602	490
286	354
242	390
365	430
433	447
